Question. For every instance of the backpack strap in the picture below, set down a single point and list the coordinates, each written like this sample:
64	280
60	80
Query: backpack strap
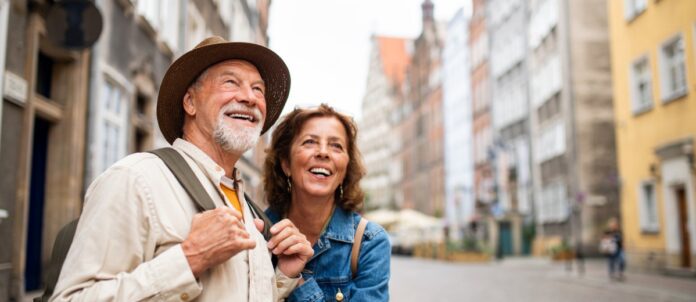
183	173
61	246
256	212
357	242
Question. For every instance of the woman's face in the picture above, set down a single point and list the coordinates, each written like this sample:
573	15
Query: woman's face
318	157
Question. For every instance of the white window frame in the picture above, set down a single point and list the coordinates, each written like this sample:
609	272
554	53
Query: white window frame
197	34
668	94
119	119
637	104
647	209
633	8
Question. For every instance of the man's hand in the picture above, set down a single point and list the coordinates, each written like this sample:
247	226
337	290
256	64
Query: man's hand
291	246
215	237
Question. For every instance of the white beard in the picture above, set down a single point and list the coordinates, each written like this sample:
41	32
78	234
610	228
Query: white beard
237	139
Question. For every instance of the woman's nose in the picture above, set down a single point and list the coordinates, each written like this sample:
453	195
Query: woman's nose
323	150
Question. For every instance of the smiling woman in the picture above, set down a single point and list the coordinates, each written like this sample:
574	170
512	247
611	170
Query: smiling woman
311	175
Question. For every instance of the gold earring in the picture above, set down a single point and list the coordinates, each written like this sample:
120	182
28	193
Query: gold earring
289	184
340	192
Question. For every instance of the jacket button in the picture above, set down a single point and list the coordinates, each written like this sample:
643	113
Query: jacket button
184	297
339	295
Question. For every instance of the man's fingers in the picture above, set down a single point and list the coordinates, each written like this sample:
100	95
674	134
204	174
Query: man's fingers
259	224
230	211
247	244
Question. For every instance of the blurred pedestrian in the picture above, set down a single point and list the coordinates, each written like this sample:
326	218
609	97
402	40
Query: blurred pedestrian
140	236
612	246
311	176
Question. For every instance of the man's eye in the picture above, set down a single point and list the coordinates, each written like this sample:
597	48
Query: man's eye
259	89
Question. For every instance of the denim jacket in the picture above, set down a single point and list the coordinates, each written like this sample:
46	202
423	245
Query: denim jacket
329	269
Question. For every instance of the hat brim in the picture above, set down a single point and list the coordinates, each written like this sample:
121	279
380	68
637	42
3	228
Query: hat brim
182	73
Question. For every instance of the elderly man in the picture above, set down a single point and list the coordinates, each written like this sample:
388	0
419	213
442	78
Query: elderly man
140	236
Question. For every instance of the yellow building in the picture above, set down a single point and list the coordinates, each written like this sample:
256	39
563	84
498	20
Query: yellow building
653	58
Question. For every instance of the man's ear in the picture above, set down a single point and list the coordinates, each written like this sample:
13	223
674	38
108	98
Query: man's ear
189	107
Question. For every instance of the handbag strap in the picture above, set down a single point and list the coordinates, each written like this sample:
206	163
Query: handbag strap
357	242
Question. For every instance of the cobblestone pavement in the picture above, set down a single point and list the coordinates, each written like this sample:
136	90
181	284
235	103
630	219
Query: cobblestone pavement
528	279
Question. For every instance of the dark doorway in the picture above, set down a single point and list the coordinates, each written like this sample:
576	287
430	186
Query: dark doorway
683	215
37	189
505	241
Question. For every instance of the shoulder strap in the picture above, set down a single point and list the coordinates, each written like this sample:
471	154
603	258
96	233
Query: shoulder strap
60	251
258	213
357	242
183	173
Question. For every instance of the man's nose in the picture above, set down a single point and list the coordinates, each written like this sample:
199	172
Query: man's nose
247	95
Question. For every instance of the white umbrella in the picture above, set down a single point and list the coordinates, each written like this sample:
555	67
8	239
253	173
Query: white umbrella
383	217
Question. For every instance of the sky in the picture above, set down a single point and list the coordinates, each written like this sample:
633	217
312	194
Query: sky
326	43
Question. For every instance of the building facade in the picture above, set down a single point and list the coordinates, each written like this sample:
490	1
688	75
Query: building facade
479	50
422	156
44	116
654	76
378	138
458	122
574	162
510	151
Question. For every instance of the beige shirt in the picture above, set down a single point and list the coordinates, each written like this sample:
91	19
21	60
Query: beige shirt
127	246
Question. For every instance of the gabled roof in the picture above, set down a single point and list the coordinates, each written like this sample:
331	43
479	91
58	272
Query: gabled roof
394	56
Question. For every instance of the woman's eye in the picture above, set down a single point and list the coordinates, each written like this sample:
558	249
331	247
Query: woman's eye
337	146
309	141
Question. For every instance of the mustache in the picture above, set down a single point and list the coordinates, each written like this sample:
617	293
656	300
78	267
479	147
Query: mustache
236	107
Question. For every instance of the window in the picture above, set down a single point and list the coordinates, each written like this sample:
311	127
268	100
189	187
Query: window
648	208
633	8
552	203
641	94
113	124
672	69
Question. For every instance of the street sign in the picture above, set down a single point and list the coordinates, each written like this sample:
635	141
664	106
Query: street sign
15	87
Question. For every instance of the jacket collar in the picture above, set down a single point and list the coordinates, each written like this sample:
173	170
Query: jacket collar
341	227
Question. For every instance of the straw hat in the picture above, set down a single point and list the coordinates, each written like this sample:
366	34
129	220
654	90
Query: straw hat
213	50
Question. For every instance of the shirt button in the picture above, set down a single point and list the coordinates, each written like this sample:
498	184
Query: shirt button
279	284
184	297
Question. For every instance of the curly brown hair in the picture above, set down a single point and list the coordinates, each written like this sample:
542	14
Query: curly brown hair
274	179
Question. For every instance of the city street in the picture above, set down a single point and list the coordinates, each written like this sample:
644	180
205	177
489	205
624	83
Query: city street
527	279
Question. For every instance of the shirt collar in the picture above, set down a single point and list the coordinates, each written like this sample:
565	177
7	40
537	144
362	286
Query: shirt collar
211	169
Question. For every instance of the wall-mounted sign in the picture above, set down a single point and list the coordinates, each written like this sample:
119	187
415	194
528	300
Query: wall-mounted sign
74	24
15	87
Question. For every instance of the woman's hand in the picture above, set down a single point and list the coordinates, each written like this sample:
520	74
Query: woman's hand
292	248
